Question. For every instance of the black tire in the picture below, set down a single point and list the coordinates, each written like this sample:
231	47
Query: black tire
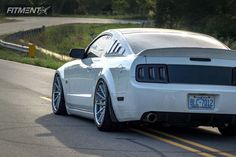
106	124
229	130
60	108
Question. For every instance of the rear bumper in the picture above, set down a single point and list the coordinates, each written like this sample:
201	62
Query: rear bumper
193	119
142	98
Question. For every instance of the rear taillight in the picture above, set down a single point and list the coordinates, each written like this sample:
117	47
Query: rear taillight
157	73
234	77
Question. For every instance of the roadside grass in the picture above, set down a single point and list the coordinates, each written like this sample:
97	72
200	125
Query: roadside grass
59	39
5	20
39	60
62	38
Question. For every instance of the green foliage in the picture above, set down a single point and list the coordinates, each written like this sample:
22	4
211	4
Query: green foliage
138	8
40	59
217	18
59	39
5	20
62	38
213	17
143	8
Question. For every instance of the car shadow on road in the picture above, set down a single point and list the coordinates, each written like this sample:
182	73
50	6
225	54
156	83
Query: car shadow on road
204	135
81	135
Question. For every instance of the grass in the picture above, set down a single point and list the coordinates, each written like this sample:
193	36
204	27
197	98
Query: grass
39	60
5	20
62	38
59	39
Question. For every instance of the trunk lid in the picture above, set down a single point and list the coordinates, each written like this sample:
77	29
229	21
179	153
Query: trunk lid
190	52
188	65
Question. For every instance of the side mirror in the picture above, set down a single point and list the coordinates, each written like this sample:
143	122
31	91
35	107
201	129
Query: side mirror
77	53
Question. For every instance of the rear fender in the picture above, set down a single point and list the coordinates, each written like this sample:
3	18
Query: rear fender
106	75
61	73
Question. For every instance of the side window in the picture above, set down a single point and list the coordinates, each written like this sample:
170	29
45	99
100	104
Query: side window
99	47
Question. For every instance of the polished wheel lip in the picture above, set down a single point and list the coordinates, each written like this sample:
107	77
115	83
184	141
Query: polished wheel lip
56	93
100	103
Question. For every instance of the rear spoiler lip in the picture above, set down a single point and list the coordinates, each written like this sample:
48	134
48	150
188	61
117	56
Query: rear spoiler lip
190	52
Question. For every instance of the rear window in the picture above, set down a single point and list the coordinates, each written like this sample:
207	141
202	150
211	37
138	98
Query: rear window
142	41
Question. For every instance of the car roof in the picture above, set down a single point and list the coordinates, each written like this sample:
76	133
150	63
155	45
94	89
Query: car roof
154	30
166	38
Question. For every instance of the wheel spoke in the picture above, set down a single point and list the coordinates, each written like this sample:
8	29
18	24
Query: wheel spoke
101	109
56	97
100	103
56	93
102	97
102	90
56	85
101	117
56	100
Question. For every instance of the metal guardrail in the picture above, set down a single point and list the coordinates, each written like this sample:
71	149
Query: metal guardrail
13	46
26	49
20	34
30	50
53	54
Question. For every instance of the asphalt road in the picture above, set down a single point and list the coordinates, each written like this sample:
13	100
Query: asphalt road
25	23
28	127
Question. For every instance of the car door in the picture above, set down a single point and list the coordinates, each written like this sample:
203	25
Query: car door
84	73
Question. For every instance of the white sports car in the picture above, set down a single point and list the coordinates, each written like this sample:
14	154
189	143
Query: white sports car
154	75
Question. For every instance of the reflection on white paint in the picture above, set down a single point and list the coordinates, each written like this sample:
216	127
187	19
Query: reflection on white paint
81	95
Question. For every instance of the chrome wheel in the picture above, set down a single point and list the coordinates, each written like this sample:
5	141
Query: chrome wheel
58	101
104	116
100	103
56	93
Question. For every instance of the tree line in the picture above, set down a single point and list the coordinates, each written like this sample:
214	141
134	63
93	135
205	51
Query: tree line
94	7
214	17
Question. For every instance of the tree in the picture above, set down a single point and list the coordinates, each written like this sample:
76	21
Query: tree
216	17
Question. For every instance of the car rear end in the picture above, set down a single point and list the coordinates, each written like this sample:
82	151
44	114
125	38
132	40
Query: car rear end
183	86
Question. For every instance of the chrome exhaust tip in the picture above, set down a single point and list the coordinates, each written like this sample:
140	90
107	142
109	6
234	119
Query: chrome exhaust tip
151	117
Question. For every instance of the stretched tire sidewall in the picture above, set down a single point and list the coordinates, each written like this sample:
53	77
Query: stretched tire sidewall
107	123
61	108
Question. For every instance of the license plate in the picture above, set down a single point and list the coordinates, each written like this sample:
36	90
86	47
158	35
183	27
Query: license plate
201	102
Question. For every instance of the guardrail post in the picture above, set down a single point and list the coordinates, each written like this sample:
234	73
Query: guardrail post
32	50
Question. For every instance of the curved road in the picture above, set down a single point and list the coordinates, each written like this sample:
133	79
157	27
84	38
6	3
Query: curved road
28	127
25	23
